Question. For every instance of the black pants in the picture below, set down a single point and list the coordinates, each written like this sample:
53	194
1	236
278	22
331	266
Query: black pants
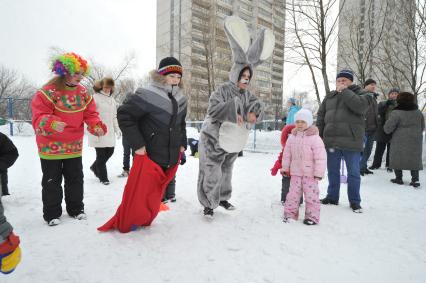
126	154
378	154
170	189
53	170
193	145
102	156
414	175
4	183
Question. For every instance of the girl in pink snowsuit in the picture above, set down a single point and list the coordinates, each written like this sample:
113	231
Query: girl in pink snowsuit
305	157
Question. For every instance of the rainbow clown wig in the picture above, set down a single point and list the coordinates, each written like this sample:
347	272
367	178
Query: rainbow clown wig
69	64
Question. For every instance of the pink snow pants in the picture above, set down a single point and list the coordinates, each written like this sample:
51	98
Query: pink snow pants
309	187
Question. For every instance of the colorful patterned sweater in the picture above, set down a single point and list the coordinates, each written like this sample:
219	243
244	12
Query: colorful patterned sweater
73	106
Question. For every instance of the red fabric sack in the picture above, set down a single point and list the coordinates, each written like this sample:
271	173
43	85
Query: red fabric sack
142	195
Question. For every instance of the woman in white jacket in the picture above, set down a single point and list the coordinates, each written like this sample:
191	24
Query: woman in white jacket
107	108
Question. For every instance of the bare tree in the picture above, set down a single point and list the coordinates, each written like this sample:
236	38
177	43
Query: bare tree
311	32
405	66
364	38
8	79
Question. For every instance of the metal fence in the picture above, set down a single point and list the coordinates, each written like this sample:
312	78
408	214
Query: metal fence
15	119
15	113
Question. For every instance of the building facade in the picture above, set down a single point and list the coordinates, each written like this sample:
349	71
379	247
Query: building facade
193	32
374	41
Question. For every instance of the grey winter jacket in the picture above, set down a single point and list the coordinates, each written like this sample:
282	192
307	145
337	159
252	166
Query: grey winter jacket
406	124
341	118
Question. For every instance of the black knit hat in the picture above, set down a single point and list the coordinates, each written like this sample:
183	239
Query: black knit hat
345	74
369	82
169	65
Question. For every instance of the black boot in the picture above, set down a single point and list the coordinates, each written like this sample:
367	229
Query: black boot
208	212
356	208
309	222
226	205
397	181
415	184
329	201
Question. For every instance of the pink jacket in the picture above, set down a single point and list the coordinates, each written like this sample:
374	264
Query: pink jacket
304	154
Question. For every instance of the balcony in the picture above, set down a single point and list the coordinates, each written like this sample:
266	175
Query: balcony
203	3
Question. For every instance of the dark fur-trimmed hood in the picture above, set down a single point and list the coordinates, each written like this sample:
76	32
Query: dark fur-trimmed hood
406	106
160	79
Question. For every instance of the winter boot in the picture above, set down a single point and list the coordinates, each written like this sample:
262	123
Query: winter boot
415	184
329	201
368	172
208	212
81	216
356	208
372	167
397	181
226	205
54	222
389	170
309	222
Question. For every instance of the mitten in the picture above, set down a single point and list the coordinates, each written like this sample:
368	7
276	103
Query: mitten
277	166
10	254
183	158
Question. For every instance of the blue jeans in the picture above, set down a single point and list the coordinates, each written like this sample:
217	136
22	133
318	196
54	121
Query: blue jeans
368	146
334	157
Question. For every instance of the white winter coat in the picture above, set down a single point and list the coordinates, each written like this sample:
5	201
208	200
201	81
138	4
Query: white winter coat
107	108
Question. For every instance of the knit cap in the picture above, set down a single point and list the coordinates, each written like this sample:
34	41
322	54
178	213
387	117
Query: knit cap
304	115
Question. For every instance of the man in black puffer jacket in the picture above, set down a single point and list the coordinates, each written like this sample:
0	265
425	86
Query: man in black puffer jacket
341	121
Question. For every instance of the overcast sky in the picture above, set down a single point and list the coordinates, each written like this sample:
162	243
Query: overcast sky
103	30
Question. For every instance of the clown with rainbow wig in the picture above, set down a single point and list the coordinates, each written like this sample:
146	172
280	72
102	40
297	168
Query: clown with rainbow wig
60	109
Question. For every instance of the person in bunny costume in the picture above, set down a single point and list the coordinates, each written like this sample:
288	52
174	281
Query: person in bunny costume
231	111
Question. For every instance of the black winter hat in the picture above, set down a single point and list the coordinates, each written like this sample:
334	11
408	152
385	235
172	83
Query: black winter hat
369	82
170	65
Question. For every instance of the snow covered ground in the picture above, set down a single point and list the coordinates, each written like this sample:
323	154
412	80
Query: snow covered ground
387	243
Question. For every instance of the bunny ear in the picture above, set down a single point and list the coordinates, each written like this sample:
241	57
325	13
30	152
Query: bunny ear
239	38
261	48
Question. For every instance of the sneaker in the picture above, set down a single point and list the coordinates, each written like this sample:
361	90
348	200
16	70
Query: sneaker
106	183
167	199
226	205
54	222
356	208
309	222
329	201
81	216
208	212
415	184
397	181
123	174
389	170
372	167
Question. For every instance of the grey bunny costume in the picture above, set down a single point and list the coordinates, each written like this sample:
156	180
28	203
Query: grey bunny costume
221	138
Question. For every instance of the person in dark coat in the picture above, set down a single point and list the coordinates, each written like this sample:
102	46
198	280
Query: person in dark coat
371	122
406	124
382	139
8	155
10	252
341	122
